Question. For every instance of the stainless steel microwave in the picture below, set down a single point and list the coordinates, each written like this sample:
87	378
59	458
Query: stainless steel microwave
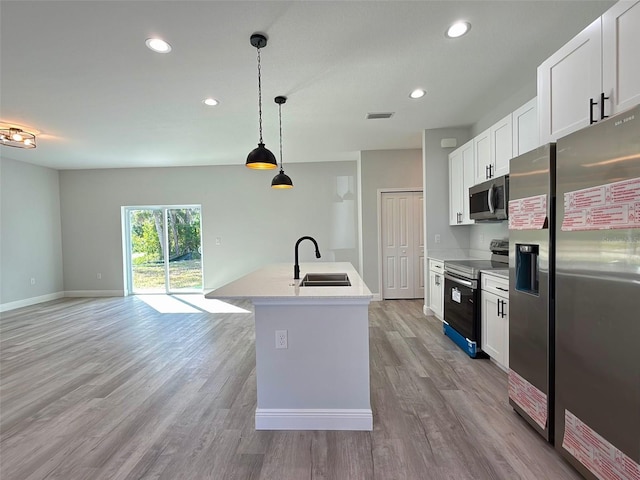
489	201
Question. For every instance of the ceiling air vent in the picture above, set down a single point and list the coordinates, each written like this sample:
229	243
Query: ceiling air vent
376	116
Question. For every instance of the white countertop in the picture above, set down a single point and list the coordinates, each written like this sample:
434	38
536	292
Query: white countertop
276	282
456	254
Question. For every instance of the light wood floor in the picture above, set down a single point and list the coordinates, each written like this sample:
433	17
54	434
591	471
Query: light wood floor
111	389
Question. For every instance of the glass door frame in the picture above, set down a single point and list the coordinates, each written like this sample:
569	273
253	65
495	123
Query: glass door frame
127	250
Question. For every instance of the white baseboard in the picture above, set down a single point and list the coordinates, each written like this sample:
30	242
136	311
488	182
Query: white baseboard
314	419
5	307
94	293
377	297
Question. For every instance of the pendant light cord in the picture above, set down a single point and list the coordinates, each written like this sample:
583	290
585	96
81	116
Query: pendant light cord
280	120
259	96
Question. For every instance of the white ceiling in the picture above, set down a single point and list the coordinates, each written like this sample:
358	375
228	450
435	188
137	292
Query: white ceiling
79	73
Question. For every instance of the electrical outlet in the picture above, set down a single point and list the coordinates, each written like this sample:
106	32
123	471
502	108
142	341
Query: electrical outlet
218	241
437	238
33	281
281	339
99	275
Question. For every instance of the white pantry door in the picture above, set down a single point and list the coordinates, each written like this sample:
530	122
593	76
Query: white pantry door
402	245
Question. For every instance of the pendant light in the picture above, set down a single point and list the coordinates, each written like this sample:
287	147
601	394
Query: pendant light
281	180
260	158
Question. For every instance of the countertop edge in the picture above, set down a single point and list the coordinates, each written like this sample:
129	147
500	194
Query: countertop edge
273	283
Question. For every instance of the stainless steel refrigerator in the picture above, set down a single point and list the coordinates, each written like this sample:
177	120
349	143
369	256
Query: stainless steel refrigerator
597	301
531	287
574	313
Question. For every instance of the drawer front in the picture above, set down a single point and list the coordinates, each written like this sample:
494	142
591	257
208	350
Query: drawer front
436	266
499	286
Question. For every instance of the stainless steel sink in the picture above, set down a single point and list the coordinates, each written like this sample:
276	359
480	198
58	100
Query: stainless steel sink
325	280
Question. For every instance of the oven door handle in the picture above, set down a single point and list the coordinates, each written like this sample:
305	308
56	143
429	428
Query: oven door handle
466	283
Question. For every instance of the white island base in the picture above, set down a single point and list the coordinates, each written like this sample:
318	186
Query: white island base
321	380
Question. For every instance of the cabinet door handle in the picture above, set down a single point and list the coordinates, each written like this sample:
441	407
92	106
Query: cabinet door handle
437	279
591	105
602	99
504	304
499	302
503	289
490	171
486	172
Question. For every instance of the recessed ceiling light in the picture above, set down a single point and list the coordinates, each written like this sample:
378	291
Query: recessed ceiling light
158	45
417	93
211	102
458	29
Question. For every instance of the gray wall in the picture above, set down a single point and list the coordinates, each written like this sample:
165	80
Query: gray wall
382	169
504	108
30	238
257	225
436	180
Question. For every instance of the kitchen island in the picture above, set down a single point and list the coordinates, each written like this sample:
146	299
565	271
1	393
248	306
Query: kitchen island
312	348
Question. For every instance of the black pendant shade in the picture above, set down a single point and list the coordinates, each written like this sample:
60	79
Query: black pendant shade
260	158
281	180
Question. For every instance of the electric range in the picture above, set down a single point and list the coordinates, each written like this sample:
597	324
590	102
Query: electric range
462	322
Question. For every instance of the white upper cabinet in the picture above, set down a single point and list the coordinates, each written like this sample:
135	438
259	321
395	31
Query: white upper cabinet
482	159
567	82
621	56
525	128
493	150
468	157
455	187
595	75
460	179
501	147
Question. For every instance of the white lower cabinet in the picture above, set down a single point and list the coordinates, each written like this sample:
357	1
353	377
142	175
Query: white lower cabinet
495	318
436	288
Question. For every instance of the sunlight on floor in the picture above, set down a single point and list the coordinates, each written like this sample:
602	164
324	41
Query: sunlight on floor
188	304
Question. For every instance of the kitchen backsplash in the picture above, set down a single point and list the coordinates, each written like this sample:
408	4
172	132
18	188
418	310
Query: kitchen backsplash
483	233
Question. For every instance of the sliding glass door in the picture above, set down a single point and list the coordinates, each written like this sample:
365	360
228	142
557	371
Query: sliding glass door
163	249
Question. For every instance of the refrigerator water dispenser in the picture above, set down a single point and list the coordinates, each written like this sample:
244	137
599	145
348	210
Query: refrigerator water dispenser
527	269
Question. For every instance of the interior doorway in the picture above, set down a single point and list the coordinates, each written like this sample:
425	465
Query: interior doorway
163	249
401	244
